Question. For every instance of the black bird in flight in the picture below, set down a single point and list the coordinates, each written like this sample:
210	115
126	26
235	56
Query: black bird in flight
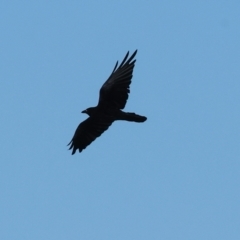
113	98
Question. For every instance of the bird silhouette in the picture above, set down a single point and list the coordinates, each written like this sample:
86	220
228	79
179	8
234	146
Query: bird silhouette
112	99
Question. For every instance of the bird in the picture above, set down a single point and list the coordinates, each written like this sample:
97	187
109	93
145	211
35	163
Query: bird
113	97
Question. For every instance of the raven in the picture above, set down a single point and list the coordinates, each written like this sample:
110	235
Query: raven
113	98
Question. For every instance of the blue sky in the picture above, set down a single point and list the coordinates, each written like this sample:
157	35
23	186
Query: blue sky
176	176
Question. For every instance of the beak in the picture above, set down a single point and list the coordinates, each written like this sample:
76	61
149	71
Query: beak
84	111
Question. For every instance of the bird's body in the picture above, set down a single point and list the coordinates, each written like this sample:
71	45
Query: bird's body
113	98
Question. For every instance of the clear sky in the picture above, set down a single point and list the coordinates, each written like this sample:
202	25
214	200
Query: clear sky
174	177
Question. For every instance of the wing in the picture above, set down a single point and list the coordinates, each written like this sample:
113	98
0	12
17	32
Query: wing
88	131
115	90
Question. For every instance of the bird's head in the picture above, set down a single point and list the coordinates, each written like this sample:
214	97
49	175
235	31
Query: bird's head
89	111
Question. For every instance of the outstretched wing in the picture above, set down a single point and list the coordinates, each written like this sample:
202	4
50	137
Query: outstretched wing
88	131
115	90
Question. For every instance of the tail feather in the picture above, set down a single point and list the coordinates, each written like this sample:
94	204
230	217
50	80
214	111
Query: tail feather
132	117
